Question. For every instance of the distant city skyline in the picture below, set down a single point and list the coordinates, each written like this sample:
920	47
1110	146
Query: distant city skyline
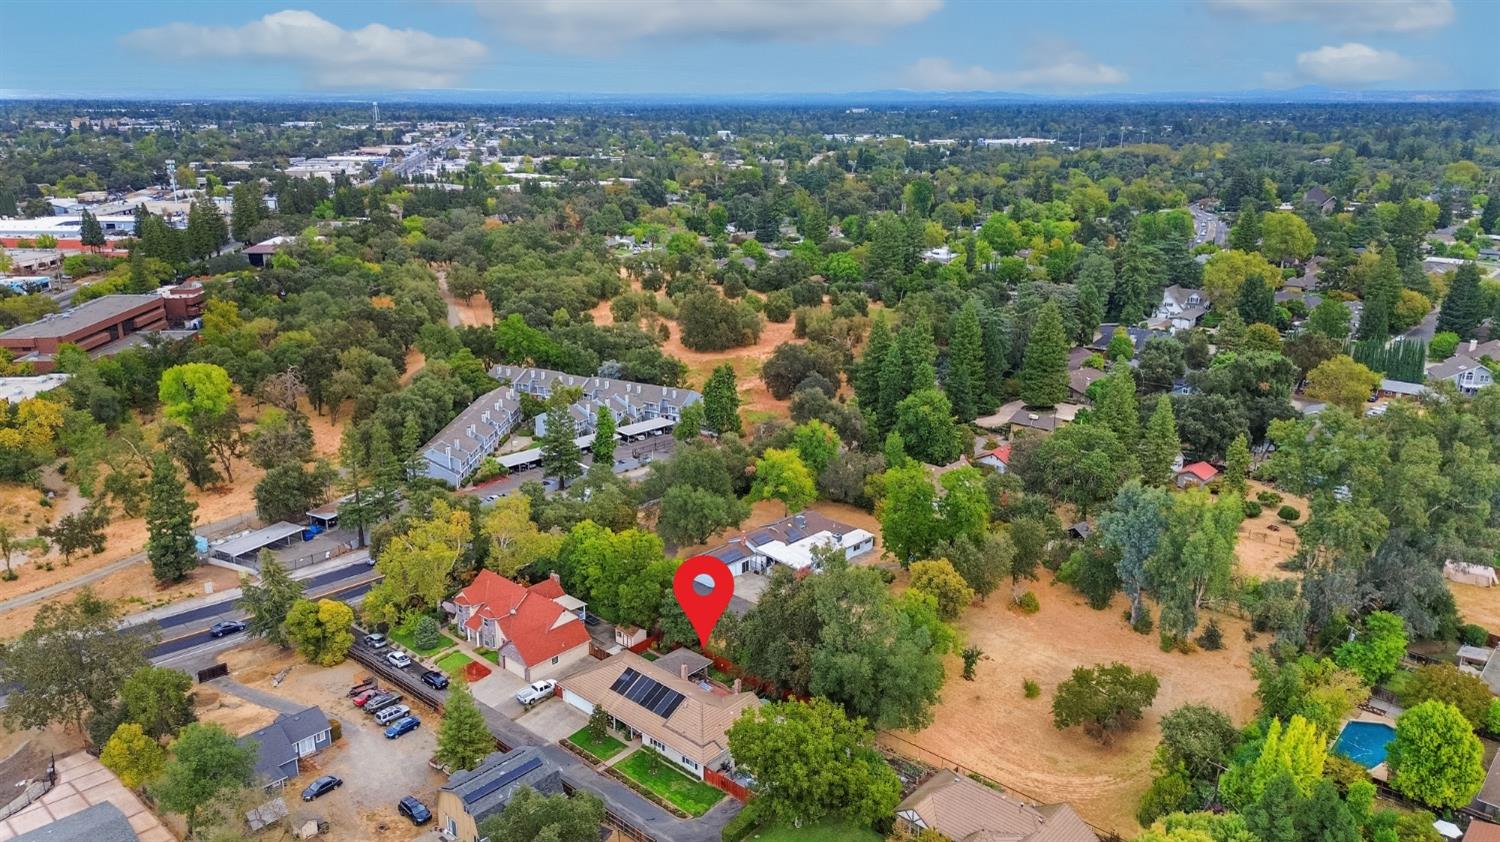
736	47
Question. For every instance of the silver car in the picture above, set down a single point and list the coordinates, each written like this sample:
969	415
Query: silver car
391	714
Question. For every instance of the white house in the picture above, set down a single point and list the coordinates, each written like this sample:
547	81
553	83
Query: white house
791	541
1180	307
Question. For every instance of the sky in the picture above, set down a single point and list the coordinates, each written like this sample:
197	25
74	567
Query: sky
706	47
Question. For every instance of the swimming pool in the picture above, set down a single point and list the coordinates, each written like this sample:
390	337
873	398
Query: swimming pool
1365	742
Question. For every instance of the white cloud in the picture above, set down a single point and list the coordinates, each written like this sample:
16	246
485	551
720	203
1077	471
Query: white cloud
1352	64
327	55
1058	67
1347	15
601	25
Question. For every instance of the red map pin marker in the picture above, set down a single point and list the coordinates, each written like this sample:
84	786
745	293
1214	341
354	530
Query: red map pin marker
702	605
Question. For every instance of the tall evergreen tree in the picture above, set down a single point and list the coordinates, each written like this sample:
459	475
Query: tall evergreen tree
1096	280
169	523
560	453
1257	303
1160	446
271	600
1138	283
996	357
1116	406
1489	219
866	375
964	384
604	437
1044	370
463	739
721	401
1381	294
1237	464
247	209
1463	308
90	232
1244	235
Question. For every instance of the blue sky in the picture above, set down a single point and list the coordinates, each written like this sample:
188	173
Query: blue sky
125	47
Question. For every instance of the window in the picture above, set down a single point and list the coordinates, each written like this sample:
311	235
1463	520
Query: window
555	657
656	744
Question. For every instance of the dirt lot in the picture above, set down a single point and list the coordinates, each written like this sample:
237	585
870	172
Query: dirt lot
1478	605
989	726
1266	541
236	715
377	772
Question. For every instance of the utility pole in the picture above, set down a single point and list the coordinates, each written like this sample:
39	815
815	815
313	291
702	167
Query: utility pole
172	176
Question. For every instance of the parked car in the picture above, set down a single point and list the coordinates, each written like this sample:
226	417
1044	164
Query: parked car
376	640
321	787
383	700
391	714
535	692
363	697
398	659
434	679
404	725
414	810
228	627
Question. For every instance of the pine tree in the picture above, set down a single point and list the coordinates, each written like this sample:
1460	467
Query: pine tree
721	401
560	453
1160	446
269	602
463	740
604	437
1044	370
90	232
1096	280
964	384
866	375
1489	219
996	358
247	210
1463	308
1257	303
170	544
1117	407
1237	464
1381	294
1244	235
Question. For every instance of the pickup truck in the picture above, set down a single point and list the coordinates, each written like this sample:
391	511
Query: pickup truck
535	692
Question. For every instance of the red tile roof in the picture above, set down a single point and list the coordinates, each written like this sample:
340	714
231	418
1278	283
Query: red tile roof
1202	470
527	617
1002	453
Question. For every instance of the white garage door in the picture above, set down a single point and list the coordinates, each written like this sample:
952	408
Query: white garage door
578	701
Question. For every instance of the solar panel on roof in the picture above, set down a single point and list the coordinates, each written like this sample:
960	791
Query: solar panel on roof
669	705
626	679
653	697
646	692
508	777
643	687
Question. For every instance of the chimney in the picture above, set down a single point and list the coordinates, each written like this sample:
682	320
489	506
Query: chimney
554	577
1473	343
736	685
682	671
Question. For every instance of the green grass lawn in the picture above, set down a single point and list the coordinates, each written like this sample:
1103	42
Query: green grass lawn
691	796
601	750
821	832
649	655
453	663
407	641
490	655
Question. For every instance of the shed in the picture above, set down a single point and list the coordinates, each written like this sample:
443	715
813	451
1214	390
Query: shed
243	549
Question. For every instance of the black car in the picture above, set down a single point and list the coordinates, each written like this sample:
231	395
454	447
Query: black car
378	703
434	679
322	786
414	810
228	627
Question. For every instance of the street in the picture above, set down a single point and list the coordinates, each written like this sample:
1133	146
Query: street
1208	227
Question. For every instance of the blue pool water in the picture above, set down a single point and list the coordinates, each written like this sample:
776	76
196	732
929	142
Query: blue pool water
1365	742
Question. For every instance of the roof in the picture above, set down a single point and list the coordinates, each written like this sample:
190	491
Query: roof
1401	387
1482	832
1490	793
1201	470
1449	368
274	744
85	315
532	619
270	246
253	541
1002	453
798	554
102	822
961	808
697	726
674	661
17	389
487	788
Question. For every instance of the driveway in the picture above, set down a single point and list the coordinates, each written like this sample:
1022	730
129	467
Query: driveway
553	719
498	690
750	586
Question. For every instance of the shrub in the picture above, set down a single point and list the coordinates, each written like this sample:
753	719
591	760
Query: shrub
1031	688
1028	603
741	825
1492	720
1473	635
1252	509
1212	638
778	306
427	635
335	730
1288	513
1268	498
1143	623
1168	793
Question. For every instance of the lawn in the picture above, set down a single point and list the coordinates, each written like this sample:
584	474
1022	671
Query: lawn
599	749
662	778
821	832
490	655
408	641
453	663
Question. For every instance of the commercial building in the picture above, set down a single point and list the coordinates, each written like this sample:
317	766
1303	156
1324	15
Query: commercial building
69	226
102	321
17	389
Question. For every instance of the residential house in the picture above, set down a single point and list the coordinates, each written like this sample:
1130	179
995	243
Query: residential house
1181	308
1309	278
1079	381
469	798
791	541
686	721
1139	336
1480	831
1016	415
103	822
280	746
1197	473
941	254
999	458
458	449
537	630
1465	372
1317	197
960	808
1488	799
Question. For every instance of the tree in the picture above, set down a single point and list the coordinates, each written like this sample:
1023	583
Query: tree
135	758
1286	237
816	443
320	630
964	384
1256	303
560	453
1330	318
1103	699
1199	738
1342	382
1446	683
552	818
1134	524
938	578
270	602
158	700
90	232
1226	271
417	564
1044	368
80	531
1435	757
690	514
691	422
721	401
427	635
280	437
1160	447
287	491
1115	404
463	740
1381	294
1121	347
983	561
193	392
605	439
1096	280
1237	464
710	322
1378	648
246	210
1195	556
1244	235
517	542
206	762
1295	749
914	518
811	761
69	664
925	421
1083	464
1463	307
781	475
170	544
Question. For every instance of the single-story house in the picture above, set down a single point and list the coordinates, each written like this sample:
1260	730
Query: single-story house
1139	336
1197	473
686	721
999	458
1079	381
791	541
1317	197
1017	415
537	630
103	822
1400	388
281	745
960	808
469	798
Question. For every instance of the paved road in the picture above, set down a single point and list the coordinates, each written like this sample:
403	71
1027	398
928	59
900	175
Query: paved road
1208	227
184	641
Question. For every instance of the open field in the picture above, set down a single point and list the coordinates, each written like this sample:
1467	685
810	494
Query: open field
988	725
1478	605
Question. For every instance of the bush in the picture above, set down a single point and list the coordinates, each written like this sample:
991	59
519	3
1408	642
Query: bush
1268	498
1168	793
1028	603
336	730
1492	720
1252	509
1473	635
741	825
778	306
1212	638
1288	513
1143	623
1031	688
1443	345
